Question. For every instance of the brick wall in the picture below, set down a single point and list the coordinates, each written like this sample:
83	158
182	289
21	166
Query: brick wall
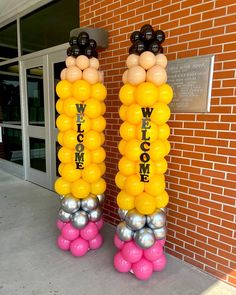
202	164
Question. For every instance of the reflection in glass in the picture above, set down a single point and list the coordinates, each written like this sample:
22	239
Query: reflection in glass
37	154
8	42
10	94
35	96
11	146
58	67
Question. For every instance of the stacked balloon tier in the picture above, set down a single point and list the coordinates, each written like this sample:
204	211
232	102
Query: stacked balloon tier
142	200
81	124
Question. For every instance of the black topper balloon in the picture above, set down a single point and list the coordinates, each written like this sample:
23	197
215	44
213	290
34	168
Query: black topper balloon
160	36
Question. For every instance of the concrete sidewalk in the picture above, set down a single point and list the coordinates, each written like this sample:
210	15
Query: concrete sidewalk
30	262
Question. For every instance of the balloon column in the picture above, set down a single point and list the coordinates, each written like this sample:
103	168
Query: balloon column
81	125
140	236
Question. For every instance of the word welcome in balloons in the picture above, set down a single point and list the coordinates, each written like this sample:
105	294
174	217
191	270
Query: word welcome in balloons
79	155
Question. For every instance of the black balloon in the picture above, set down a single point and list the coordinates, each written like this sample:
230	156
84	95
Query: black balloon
154	47
132	50
135	36
69	51
147	34
95	54
83	41
145	26
84	35
93	43
161	50
76	51
88	51
73	41
139	47
160	36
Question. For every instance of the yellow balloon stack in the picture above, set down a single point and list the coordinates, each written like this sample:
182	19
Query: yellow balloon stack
145	96
80	124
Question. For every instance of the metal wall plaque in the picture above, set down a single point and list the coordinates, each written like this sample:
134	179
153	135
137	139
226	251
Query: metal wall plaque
191	81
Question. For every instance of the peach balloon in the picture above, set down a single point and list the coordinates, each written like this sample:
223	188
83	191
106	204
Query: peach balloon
94	63
161	60
101	76
73	73
91	75
82	62
125	77
70	61
157	75
63	74
147	60
132	60
136	75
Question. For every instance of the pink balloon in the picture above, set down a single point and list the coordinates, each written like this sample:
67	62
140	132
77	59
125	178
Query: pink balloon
99	223
96	242
162	242
62	243
121	264
118	242
89	232
60	224
143	269
154	252
160	263
79	247
131	252
69	232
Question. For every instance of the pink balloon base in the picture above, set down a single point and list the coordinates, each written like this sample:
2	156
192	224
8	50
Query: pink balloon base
140	262
79	242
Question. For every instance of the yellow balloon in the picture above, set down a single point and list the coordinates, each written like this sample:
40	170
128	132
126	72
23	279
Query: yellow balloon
121	146
70	139
70	173
123	112
147	168
133	185
59	106
120	180
165	93
80	189
162	200
92	140
64	89
126	94
161	113
60	167
102	135
157	150
161	166
146	94
126	166
91	173
127	131
84	122
60	137
65	155
81	90
102	167
98	91
98	187
167	145
62	187
93	108
63	122
145	203
98	155
103	108
156	185
98	124
147	131
134	114
69	106
125	201
163	132
132	150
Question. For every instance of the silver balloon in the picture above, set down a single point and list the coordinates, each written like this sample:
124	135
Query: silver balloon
156	219
124	232
164	209
122	213
70	205
79	203
64	216
144	238
95	214
79	219
135	220
101	198
90	203
160	233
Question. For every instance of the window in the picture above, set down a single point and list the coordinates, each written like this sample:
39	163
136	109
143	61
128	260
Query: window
8	42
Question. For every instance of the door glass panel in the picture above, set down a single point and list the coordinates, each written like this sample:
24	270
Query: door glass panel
58	67
57	160
37	154
11	146
35	96
10	112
